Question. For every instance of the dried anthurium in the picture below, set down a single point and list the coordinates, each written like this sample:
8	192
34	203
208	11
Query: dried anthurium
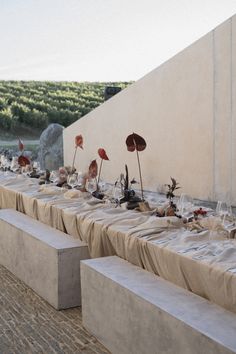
78	143
135	142
102	154
93	169
22	160
92	173
21	145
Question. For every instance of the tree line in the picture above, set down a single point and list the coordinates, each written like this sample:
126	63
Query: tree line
36	104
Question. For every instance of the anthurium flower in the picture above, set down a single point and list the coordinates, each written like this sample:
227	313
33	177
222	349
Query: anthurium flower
135	142
21	145
79	141
23	161
93	169
102	154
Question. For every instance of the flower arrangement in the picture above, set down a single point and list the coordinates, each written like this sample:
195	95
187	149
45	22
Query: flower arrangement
135	142
22	160
171	208
102	154
93	169
78	143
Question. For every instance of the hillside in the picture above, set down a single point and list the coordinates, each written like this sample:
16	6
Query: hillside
27	107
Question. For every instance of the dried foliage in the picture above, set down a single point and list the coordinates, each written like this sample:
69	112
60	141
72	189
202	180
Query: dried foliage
171	188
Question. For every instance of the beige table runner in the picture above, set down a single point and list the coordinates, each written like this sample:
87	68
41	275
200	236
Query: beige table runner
193	260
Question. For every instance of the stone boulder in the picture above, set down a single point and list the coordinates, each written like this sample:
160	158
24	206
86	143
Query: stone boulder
51	147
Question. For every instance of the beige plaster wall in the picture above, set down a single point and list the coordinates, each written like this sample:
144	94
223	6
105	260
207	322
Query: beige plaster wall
185	109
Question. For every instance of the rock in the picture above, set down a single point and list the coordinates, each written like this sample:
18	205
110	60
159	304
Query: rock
51	147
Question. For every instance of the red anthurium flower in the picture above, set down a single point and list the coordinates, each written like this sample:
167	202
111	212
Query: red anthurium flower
102	154
20	145
79	141
23	161
135	142
93	169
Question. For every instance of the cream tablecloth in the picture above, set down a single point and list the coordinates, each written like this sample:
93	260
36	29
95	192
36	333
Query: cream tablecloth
202	262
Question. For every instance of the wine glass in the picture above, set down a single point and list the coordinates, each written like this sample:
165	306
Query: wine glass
91	185
80	180
36	166
117	192
223	209
72	180
5	163
185	205
2	157
102	186
24	171
54	176
14	164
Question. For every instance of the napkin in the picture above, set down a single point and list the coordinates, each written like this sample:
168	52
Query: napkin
213	224
70	194
53	190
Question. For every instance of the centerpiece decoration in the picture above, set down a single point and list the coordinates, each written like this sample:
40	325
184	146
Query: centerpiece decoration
171	209
93	169
198	213
135	142
78	143
22	160
127	190
102	154
92	183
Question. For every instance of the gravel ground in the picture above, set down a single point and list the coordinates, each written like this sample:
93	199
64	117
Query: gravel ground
29	325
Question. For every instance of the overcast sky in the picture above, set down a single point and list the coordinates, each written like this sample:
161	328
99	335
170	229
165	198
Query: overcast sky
99	40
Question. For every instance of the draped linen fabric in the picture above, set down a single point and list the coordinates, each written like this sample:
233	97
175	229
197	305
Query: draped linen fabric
203	262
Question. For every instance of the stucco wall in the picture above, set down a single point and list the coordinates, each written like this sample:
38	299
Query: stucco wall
186	111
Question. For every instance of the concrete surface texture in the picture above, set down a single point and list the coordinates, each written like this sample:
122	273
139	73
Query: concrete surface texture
29	325
132	311
46	259
186	111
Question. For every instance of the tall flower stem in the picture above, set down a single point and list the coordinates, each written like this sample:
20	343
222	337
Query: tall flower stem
140	175
100	168
73	163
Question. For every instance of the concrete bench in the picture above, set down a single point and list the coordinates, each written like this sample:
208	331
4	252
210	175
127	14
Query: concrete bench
134	311
46	259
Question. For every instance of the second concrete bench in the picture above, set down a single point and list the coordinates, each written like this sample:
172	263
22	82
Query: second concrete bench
132	311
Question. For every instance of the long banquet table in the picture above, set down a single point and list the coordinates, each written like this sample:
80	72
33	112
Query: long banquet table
202	262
